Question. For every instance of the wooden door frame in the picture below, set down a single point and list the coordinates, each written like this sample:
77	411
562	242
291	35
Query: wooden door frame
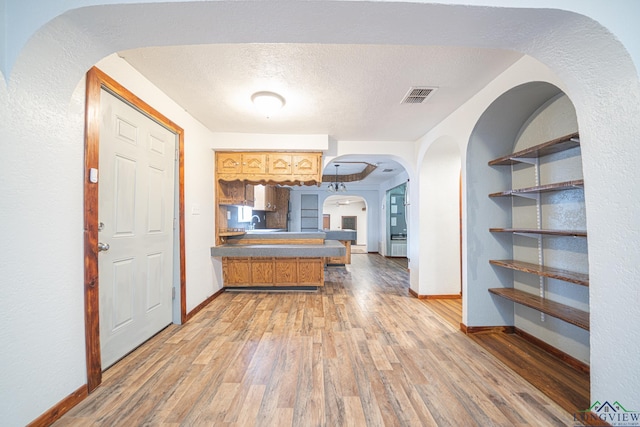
460	225
95	81
327	217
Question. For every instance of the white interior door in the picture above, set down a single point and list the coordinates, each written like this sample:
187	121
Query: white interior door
135	207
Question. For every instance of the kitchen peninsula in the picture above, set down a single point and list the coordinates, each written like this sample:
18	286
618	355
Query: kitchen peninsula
267	259
276	259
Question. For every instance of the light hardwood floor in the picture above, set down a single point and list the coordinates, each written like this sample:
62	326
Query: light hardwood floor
361	351
564	384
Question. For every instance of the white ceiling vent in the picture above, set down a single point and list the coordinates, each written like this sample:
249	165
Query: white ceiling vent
418	94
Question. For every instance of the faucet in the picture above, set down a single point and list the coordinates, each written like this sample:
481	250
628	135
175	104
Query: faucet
252	225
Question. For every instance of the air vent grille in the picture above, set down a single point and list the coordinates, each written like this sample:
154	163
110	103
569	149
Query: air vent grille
387	170
418	95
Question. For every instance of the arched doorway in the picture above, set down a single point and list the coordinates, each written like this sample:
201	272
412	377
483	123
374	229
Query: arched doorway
347	212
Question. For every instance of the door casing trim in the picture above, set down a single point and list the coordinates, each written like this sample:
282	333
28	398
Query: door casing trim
95	81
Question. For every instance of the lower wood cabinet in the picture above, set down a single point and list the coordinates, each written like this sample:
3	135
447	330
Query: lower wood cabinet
272	271
236	272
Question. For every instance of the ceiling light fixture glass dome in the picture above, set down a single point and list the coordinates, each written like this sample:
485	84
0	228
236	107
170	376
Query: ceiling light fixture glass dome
267	103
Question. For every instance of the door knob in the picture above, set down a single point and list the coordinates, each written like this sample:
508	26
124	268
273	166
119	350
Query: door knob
103	247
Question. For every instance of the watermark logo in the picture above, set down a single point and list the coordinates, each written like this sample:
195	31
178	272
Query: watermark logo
613	414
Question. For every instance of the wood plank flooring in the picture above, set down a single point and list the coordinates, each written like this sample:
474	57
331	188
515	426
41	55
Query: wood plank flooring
564	384
360	351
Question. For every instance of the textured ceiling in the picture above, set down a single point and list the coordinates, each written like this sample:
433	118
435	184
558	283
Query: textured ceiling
349	92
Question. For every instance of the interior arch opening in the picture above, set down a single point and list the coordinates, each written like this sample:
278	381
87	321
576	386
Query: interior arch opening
527	260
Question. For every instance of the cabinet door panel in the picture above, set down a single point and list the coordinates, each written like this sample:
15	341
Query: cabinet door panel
235	271
249	197
311	271
305	164
261	271
254	163
278	218
286	273
229	163
231	193
279	164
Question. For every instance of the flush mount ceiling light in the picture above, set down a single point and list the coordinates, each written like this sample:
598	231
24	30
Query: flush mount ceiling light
267	103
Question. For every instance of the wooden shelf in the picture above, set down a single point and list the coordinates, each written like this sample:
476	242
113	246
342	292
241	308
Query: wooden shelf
226	232
569	314
570	233
559	186
554	146
541	270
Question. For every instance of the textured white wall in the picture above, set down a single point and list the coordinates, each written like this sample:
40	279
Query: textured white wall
42	334
440	219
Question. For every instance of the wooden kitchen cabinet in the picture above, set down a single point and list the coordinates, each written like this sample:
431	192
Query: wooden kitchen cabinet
254	163
233	165
228	163
235	193
272	271
238	272
269	167
302	167
265	198
279	217
238	172
306	164
280	164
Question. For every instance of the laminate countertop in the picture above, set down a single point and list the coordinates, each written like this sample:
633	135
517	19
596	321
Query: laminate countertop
340	234
330	248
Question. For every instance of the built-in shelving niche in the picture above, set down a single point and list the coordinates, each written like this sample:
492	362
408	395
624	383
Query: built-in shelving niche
548	231
531	258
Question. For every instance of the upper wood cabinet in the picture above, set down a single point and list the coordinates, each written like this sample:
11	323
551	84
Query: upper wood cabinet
280	164
228	163
280	215
235	193
265	198
306	164
254	163
270	167
234	163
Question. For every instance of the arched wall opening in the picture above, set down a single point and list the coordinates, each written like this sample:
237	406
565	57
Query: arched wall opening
525	116
337	207
440	234
374	188
43	113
